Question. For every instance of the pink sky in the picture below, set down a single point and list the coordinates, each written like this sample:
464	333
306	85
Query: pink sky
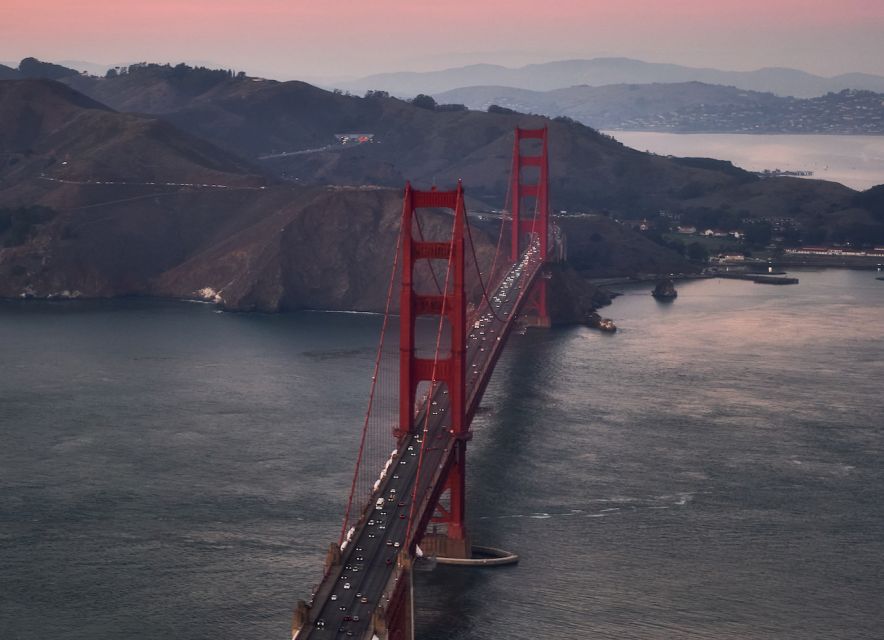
301	38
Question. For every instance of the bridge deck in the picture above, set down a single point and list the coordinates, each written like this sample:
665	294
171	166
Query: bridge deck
349	593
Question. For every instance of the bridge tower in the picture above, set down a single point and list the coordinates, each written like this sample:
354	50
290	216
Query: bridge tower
531	196
450	370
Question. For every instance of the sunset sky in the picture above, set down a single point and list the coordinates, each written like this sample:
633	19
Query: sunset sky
340	38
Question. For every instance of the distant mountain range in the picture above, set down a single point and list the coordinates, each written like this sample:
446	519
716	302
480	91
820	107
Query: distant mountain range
688	107
606	71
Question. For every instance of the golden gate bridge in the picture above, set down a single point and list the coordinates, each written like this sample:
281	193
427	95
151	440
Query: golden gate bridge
456	308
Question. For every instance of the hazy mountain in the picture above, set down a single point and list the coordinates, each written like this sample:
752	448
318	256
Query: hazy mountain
100	204
688	107
95	201
606	71
297	123
48	128
8	73
107	203
256	119
606	107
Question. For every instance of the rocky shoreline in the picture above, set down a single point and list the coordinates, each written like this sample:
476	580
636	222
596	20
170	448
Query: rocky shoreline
573	299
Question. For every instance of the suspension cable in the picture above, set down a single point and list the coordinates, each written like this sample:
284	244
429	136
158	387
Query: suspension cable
481	284
374	380
506	203
491	273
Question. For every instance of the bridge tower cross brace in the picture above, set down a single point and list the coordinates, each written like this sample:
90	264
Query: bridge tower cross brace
537	310
450	370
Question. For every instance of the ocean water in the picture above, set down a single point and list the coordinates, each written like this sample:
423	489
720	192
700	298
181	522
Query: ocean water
712	470
855	161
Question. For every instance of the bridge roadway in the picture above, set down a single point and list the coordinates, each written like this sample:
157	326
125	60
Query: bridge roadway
343	604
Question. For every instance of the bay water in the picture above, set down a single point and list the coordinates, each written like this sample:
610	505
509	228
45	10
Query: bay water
855	161
715	469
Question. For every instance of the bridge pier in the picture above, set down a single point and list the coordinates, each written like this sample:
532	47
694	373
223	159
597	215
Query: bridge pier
537	311
443	546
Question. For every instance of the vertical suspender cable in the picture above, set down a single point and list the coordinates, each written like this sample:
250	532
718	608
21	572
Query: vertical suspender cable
374	380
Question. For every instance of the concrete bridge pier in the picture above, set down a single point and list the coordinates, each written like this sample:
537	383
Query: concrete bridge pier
439	544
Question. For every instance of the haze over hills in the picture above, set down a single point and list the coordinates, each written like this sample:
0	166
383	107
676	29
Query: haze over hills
50	128
97	203
675	107
110	203
107	204
297	123
606	71
687	107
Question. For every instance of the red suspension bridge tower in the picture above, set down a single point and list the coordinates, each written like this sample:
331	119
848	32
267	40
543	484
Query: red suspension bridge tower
443	373
530	195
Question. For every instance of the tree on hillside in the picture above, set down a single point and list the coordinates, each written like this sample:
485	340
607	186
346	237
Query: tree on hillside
33	68
424	102
500	110
758	233
697	252
451	107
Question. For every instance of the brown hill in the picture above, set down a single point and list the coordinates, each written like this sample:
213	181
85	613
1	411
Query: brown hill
255	247
95	203
50	130
104	204
107	204
297	123
600	247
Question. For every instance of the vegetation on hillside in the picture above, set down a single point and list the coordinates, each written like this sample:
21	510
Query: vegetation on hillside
17	224
33	68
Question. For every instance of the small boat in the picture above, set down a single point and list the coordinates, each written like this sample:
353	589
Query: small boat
608	325
595	321
665	290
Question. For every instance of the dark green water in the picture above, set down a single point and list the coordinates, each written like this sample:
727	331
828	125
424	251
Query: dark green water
713	470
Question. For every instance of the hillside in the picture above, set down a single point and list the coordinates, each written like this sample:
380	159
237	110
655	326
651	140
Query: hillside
50	132
8	73
607	71
96	203
155	89
295	123
689	107
106	203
